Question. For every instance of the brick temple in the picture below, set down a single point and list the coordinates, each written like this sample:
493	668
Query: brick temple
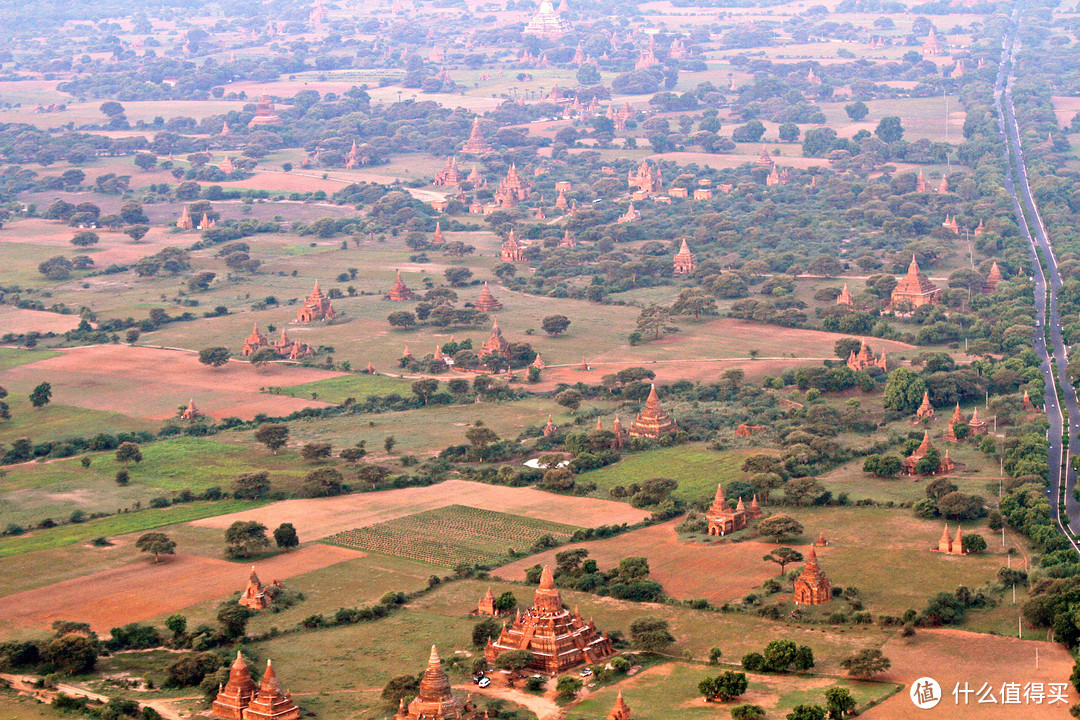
557	638
434	700
995	277
812	587
946	464
316	307
685	260
653	421
865	358
399	292
722	518
915	288
253	342
476	144
487	301
951	546
496	344
240	699
512	251
255	595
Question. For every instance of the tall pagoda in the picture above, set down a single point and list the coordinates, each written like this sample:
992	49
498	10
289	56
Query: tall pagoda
945	465
265	114
844	298
685	261
476	144
812	587
449	175
185	222
399	292
557	638
434	700
653	421
254	595
620	710
512	250
487	301
512	190
236	694
994	279
253	342
270	703
915	288
546	22
496	343
190	412
931	46
316	307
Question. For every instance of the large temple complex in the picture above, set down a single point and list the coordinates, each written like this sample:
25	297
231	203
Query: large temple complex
557	638
724	520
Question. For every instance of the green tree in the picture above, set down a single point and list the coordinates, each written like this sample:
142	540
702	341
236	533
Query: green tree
128	452
425	388
505	602
251	486
272	435
555	325
285	536
889	129
839	702
747	712
214	356
779	526
480	437
782	556
653	318
726	686
316	452
974	543
322	482
486	629
788	132
85	238
136	232
71	654
904	390
866	663
263	357
650	633
514	660
857	110
233	618
568	686
694	301
41	395
389	442
244	538
779	655
401	319
400	687
570	399
176	624
806	712
157	543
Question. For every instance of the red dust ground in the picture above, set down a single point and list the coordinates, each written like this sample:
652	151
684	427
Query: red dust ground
13	320
326	516
956	656
151	382
719	572
143	589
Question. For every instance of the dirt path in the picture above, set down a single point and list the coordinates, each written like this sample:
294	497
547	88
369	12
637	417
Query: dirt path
24	685
544	707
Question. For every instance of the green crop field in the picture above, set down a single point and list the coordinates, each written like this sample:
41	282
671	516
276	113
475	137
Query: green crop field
11	357
696	469
452	535
119	525
337	390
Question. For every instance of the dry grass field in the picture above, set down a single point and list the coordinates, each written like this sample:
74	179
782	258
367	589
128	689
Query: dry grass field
720	573
327	516
14	320
152	383
138	591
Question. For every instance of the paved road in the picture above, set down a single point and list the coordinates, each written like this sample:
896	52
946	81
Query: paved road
1047	285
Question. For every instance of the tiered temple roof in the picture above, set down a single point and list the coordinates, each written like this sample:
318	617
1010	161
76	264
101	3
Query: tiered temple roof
265	114
844	298
512	251
915	288
647	179
631	214
722	518
496	343
255	595
653	421
185	222
946	464
291	349
812	587
993	279
237	692
316	307
254	341
931	46
486	606
866	359
512	190
685	261
476	144
926	410
620	710
434	699
437	238
920	182
270	703
951	546
546	22
557	638
551	428
399	292
449	175
487	301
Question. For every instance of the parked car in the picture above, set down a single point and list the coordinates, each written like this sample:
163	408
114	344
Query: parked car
483	682
585	672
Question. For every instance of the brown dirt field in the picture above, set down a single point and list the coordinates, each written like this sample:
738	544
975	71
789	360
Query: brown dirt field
326	516
698	349
1065	108
13	320
955	656
152	382
720	573
114	247
297	181
144	589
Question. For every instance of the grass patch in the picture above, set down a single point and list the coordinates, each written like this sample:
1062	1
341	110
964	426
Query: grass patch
13	357
695	468
120	525
452	535
359	386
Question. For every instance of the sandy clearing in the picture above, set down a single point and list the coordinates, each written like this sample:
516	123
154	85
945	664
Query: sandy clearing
720	572
153	382
326	516
144	589
14	320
